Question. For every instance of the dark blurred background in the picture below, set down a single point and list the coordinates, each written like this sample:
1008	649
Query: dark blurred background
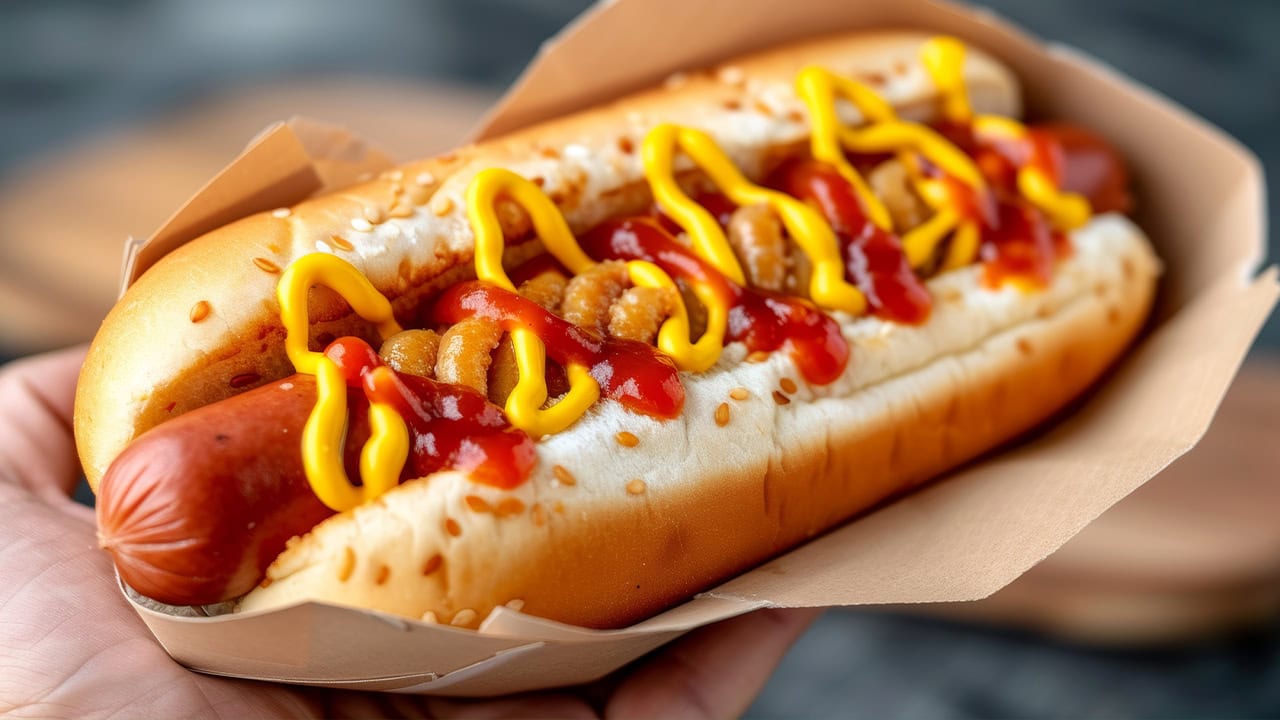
129	105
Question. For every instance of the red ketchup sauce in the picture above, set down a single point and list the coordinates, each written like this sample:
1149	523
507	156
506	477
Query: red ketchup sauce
633	373
763	321
1076	159
1018	241
873	258
450	426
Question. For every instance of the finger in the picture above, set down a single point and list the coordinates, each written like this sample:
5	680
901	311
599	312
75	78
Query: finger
715	671
534	705
37	450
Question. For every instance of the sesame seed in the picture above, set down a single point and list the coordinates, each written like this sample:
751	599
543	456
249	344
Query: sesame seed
447	157
266	265
627	439
577	152
757	356
739	393
384	572
266	582
477	504
563	476
780	398
419	196
425	178
373	214
626	146
281	212
348	564
394	175
516	604
465	617
722	414
430	617
788	385
873	78
1024	346
732	105
795	116
441	206
361	225
762	107
558	507
550	153
401	211
452	527
731	75
341	243
509	506
364	176
675	80
432	564
200	311
636	487
539	516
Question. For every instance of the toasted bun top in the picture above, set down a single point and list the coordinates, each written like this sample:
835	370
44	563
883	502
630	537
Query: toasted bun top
203	324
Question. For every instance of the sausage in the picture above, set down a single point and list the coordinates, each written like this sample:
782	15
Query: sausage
194	510
1089	165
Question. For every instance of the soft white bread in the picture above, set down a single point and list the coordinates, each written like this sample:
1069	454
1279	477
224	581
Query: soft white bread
151	361
715	500
694	502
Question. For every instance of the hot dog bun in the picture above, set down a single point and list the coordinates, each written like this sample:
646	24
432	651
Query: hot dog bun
696	500
131	383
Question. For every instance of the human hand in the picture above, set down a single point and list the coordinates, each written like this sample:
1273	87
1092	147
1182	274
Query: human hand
70	646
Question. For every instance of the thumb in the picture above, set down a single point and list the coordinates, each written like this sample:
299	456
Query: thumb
37	449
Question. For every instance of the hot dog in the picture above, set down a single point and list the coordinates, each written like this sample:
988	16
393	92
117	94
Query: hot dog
623	355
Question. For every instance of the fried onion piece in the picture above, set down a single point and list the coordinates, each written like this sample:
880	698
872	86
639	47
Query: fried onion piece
503	373
589	295
892	184
755	232
464	356
546	288
412	351
639	313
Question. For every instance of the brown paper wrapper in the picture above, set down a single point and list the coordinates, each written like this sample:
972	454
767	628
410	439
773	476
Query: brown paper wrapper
960	539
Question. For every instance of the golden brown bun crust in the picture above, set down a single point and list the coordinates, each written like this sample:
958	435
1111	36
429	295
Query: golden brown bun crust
152	361
597	555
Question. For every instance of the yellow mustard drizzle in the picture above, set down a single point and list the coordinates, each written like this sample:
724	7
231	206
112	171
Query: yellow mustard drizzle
384	455
819	88
323	436
524	405
827	287
943	58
